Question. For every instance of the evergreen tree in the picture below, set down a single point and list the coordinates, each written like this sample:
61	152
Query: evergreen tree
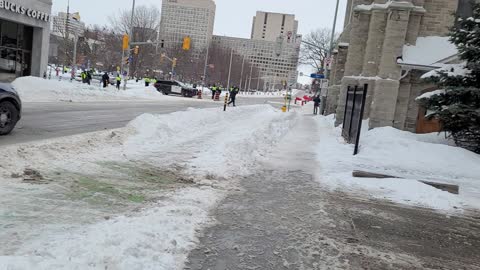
458	106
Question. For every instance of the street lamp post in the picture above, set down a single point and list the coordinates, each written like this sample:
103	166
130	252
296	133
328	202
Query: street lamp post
330	50
130	41
241	73
230	70
332	41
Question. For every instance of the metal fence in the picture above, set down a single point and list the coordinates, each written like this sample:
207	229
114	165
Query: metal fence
352	120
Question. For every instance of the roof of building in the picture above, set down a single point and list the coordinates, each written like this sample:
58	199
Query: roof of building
428	51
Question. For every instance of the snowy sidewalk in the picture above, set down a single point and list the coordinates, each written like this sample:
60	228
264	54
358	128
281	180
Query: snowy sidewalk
283	219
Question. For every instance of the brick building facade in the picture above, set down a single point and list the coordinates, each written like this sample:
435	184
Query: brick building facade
382	46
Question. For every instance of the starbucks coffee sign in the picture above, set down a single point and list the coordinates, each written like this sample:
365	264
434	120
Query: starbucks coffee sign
19	9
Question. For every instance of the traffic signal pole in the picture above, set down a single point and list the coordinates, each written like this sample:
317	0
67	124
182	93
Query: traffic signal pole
130	41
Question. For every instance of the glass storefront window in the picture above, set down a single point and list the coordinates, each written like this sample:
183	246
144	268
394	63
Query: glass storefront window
9	34
25	36
15	50
8	58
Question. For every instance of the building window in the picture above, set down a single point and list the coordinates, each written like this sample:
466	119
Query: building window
15	50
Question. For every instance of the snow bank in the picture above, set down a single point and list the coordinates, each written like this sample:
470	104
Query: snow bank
428	51
403	154
157	238
232	140
34	89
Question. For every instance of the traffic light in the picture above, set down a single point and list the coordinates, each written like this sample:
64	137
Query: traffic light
126	40
135	50
174	62
186	43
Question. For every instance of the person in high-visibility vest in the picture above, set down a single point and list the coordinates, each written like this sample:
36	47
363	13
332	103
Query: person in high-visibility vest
84	77
214	90
119	81
147	81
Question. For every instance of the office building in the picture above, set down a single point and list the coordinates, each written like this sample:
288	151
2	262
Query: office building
75	26
25	33
276	61
274	52
192	18
269	26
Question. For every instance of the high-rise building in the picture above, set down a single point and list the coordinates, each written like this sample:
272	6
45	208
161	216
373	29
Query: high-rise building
274	48
75	26
192	18
276	61
269	26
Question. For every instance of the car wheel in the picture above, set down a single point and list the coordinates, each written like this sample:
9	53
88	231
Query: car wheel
8	117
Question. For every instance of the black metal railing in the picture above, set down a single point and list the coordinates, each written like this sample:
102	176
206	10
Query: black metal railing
354	109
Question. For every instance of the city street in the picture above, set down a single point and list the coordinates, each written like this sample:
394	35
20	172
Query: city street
44	120
239	135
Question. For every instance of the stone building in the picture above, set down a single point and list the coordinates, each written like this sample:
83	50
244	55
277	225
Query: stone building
389	45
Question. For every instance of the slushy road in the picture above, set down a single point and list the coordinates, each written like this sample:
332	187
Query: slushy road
45	120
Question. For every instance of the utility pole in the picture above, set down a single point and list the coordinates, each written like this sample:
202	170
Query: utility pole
66	36
230	70
74	69
330	50
205	67
130	41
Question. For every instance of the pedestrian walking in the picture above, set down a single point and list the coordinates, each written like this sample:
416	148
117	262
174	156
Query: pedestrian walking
233	95
147	81
316	104
89	77
119	81
105	80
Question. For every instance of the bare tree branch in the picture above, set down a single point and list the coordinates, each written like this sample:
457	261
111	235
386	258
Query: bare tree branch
315	47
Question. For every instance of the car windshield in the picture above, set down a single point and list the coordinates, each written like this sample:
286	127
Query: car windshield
252	134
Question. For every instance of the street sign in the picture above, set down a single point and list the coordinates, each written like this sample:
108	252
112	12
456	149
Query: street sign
317	76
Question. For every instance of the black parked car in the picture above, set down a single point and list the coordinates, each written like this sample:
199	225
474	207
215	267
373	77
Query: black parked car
10	108
176	88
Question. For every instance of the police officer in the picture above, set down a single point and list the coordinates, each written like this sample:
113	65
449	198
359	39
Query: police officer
84	76
147	81
119	81
214	90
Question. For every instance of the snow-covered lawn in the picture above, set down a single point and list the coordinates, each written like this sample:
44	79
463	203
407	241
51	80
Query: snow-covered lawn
132	198
411	156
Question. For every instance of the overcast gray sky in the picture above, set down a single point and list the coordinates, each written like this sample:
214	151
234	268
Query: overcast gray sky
233	18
